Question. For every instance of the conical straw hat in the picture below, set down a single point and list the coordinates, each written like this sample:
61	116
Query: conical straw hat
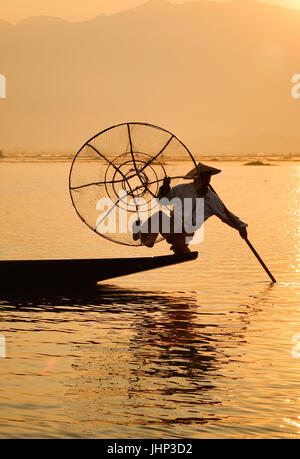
200	169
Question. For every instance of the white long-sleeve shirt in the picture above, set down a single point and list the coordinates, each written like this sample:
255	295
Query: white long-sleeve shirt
212	204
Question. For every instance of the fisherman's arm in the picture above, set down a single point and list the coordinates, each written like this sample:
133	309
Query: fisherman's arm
229	218
235	222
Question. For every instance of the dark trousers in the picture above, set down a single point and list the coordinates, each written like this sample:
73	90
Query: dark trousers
169	227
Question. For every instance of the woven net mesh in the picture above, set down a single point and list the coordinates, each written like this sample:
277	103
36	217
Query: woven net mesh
115	177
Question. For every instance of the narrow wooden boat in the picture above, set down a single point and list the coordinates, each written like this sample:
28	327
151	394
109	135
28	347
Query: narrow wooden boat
20	274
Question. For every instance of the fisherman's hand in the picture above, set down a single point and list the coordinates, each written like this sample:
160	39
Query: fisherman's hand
165	188
243	232
166	182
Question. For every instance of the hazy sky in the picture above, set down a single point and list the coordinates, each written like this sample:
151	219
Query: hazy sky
235	97
78	10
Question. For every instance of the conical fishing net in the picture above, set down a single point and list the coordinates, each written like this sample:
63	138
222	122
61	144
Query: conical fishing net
116	175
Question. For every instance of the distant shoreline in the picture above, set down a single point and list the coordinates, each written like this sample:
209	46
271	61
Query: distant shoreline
252	160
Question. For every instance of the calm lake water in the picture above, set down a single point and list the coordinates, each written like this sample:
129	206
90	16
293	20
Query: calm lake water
199	350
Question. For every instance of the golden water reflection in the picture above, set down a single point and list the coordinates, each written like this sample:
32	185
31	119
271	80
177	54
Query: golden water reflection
140	362
199	352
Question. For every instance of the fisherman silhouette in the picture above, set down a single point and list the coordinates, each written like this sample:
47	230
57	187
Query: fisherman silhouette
198	188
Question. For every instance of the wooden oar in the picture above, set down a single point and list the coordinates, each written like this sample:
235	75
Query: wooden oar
260	260
249	244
